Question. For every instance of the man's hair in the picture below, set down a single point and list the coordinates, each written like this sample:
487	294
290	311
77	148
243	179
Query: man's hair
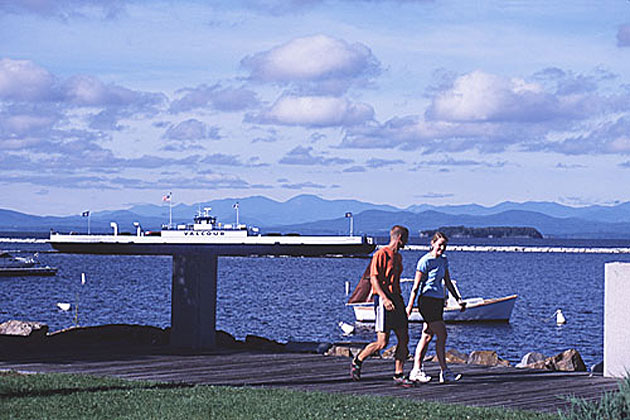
399	231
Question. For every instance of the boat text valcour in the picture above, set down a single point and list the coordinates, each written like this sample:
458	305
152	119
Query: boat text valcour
206	235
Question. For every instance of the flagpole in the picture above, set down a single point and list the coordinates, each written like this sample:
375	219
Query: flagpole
89	215
170	209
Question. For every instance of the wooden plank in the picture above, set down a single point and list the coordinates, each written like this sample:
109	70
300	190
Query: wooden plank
503	386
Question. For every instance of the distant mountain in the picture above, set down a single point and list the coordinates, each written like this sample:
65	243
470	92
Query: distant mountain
262	211
312	214
378	223
617	213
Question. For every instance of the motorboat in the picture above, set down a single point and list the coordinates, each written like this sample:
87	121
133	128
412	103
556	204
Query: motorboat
14	266
205	234
477	309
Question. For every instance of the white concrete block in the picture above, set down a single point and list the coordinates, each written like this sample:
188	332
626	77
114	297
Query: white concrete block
617	319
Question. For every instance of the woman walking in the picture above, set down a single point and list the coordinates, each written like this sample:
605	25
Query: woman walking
431	271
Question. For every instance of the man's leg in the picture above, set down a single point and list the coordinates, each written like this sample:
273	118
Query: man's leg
382	338
402	350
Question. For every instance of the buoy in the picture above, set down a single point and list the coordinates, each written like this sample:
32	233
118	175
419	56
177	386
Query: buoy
347	288
560	319
346	328
63	306
82	279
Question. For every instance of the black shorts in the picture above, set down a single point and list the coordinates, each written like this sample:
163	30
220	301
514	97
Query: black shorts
390	320
431	309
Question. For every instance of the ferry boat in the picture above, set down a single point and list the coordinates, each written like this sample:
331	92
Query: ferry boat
205	234
12	266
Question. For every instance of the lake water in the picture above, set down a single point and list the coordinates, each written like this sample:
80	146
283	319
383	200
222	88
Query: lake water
303	299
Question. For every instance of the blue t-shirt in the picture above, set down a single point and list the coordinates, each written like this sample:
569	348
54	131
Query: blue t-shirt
435	269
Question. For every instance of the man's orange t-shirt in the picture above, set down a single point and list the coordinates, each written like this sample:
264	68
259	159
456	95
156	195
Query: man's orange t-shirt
387	267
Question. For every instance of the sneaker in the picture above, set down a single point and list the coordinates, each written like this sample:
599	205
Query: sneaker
403	382
419	375
448	376
355	370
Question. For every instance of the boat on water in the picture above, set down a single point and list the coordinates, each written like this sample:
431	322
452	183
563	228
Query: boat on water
205	234
13	266
477	309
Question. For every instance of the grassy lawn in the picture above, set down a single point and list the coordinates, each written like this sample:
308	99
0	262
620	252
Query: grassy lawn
58	396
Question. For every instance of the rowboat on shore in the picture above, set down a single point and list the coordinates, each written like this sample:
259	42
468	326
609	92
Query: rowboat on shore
477	309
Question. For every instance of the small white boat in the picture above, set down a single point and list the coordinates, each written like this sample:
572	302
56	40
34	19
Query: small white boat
477	309
12	266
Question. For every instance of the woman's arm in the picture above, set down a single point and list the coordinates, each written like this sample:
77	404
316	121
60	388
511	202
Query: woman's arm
452	290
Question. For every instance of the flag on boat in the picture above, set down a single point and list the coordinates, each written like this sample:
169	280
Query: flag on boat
166	197
85	213
348	214
235	205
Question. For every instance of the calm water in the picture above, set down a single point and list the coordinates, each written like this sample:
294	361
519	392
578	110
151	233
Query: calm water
304	298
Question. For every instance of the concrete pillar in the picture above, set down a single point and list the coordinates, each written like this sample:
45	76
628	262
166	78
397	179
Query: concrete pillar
194	301
617	319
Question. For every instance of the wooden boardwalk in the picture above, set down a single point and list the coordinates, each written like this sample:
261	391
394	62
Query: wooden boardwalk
480	386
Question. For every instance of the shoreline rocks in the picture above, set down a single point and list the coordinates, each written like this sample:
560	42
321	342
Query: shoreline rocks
20	337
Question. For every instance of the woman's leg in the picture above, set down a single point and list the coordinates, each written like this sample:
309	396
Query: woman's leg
423	346
440	331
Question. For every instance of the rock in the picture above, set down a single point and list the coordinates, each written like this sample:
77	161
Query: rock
455	356
307	347
261	343
346	349
529	358
116	336
227	341
342	351
23	328
389	352
598	368
567	361
486	358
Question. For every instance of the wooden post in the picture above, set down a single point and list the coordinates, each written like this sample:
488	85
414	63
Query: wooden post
616	331
194	300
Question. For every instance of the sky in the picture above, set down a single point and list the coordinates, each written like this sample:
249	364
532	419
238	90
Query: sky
106	104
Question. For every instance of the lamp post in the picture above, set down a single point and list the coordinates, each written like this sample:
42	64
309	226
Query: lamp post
349	216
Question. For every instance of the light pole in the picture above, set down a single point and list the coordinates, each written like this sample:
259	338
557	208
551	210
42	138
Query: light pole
235	207
349	216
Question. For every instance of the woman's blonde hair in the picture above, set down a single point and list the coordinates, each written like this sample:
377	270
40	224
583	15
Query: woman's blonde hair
437	236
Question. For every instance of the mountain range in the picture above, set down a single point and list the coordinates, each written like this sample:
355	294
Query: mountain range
312	214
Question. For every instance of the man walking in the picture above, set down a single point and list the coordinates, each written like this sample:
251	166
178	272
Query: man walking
385	270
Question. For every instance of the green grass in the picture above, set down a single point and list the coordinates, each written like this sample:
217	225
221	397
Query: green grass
59	396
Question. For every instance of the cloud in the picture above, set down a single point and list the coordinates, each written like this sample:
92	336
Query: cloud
303	156
355	168
431	195
302	185
226	99
561	165
483	97
30	94
607	137
320	63
623	36
558	111
23	80
65	9
192	129
449	161
380	163
314	111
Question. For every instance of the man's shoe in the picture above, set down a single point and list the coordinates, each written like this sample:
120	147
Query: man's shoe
448	376
403	382
355	371
419	375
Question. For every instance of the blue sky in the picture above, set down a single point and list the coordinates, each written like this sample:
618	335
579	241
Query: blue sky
104	104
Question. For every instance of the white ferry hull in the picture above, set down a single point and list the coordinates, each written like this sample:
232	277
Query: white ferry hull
176	242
